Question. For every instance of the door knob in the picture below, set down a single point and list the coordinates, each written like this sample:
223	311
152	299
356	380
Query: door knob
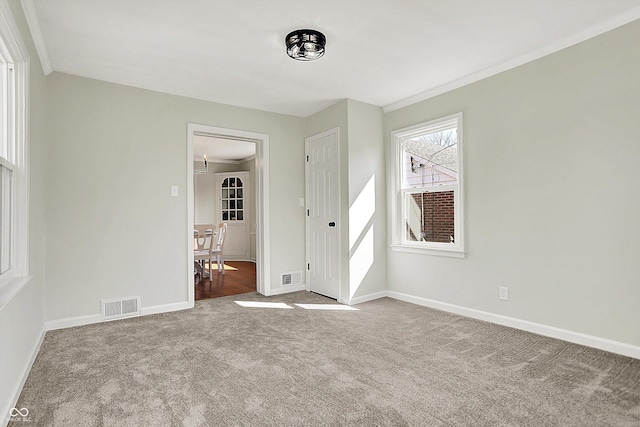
332	224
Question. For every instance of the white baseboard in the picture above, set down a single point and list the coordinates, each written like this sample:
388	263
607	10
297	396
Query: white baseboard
165	308
15	393
369	297
286	289
537	328
70	322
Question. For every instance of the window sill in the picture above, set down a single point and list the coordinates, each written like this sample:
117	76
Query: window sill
11	288
451	253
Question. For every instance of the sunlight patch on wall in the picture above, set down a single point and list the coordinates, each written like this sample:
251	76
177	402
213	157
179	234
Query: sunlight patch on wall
360	262
361	211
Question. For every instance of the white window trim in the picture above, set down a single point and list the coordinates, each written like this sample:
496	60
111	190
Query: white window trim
398	244
18	275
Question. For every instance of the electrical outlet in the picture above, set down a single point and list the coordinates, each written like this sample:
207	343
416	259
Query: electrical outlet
503	293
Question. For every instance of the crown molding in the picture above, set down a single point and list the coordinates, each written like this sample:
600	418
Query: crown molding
593	31
33	22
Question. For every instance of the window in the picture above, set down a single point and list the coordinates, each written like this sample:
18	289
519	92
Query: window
428	204
232	199
6	207
7	163
13	166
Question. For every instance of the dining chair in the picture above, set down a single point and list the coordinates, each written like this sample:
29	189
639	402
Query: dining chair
204	236
217	250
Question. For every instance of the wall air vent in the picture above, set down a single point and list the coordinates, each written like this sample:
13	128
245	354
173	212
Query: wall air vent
120	307
294	278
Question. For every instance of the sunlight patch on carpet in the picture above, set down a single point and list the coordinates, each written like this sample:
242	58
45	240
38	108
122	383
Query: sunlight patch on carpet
327	307
254	304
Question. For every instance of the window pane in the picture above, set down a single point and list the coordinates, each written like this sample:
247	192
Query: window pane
430	217
430	159
4	99
5	218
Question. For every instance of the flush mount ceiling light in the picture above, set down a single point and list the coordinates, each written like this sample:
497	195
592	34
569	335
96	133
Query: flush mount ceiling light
305	45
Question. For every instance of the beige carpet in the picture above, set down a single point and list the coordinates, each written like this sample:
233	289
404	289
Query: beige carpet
389	363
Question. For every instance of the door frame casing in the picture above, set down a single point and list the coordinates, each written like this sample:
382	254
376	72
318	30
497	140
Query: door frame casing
308	140
261	185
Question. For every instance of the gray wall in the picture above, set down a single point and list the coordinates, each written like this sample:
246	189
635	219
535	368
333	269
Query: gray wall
367	200
552	184
204	189
112	228
21	320
363	261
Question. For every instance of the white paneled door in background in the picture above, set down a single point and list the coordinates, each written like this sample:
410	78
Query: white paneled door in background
232	206
323	210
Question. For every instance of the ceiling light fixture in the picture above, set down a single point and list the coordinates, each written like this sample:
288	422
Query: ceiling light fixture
305	45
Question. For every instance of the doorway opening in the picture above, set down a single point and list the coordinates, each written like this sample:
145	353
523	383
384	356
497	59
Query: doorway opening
231	189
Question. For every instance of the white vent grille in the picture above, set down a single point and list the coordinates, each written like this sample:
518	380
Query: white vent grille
130	306
294	278
121	307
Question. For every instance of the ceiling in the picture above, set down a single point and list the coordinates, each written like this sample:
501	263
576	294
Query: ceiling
222	150
388	53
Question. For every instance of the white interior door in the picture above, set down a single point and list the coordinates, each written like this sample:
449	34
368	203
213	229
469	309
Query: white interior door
233	206
323	209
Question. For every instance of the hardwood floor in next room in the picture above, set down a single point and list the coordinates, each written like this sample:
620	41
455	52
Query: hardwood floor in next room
240	278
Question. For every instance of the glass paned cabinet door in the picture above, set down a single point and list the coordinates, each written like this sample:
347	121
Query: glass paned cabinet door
232	202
